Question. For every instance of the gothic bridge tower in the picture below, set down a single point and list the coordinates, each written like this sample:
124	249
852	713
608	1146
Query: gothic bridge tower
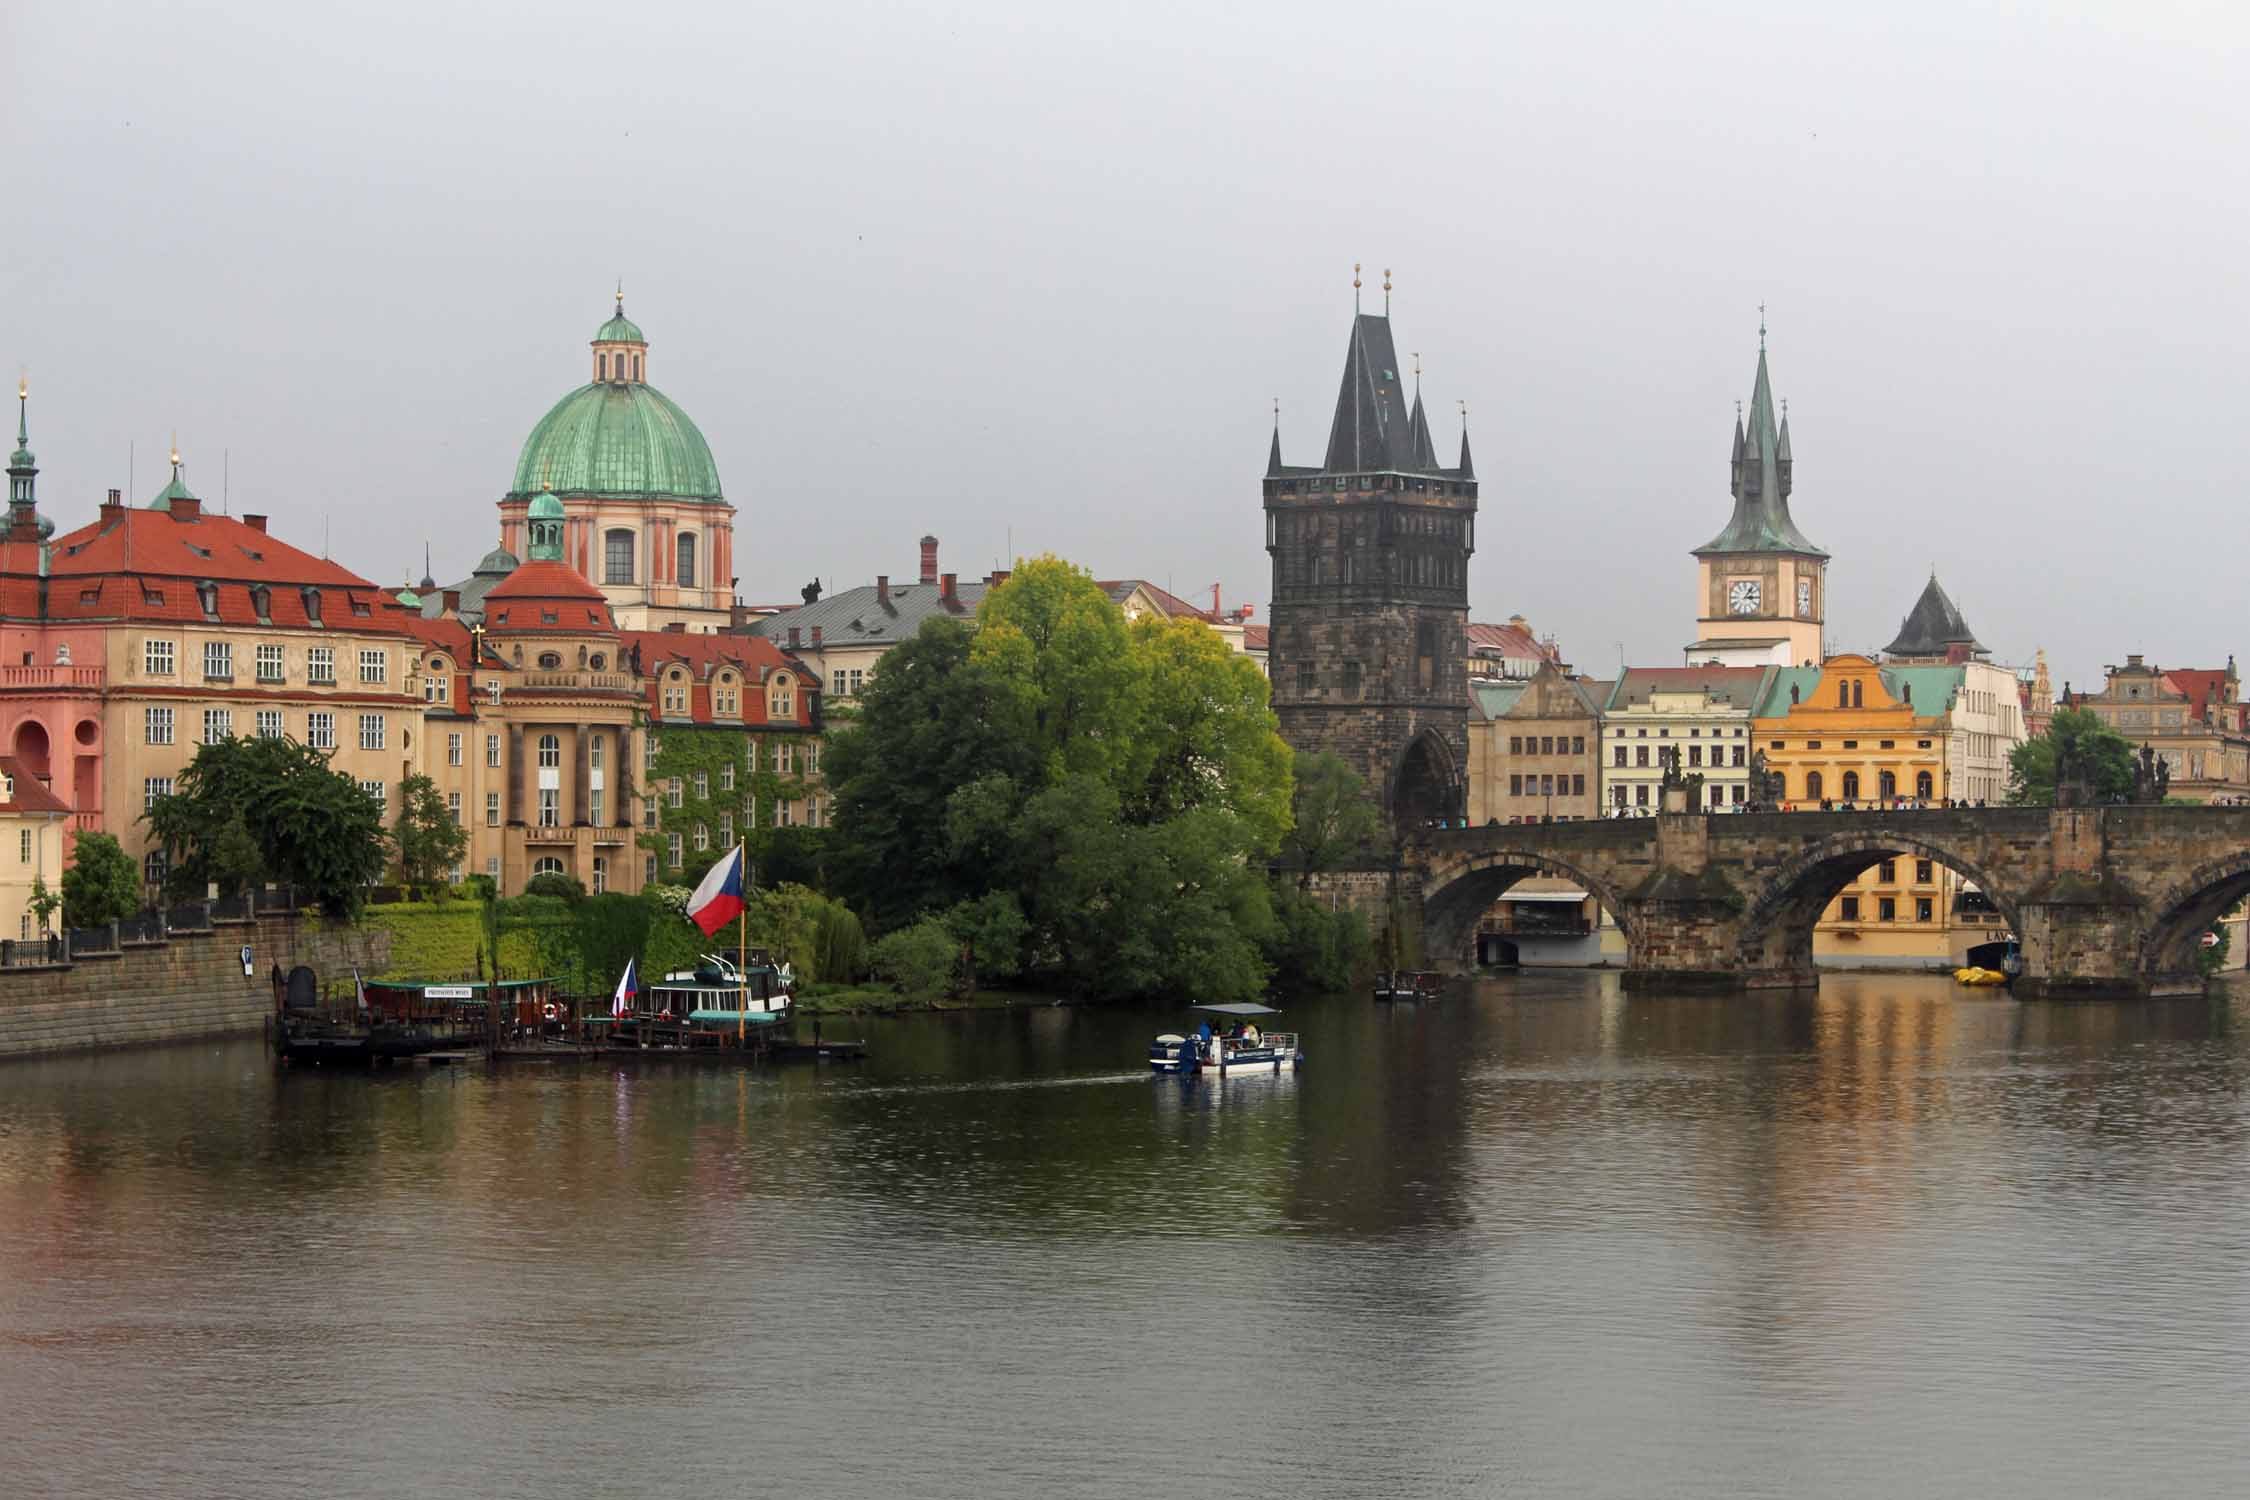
1370	549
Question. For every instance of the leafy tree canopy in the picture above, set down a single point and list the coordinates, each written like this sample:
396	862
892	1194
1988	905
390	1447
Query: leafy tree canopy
2073	733
427	837
102	884
1334	817
248	809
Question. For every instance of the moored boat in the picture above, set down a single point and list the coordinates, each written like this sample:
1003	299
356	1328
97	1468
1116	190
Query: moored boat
1407	984
1229	1050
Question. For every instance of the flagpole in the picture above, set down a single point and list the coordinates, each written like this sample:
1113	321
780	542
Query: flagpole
741	957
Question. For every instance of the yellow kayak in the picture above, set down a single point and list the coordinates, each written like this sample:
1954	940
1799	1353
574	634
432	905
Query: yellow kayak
1974	975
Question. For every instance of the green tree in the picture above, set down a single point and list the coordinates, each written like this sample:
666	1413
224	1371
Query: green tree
2073	734
1334	819
931	722
1209	737
554	883
992	931
427	838
44	904
922	959
102	884
311	825
1313	949
1050	635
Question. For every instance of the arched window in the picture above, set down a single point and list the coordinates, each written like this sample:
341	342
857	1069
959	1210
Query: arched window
636	367
1886	786
594	753
1855	695
1924	789
685	577
1843	695
617	556
601	367
1812	786
1851	786
550	751
780	702
546	864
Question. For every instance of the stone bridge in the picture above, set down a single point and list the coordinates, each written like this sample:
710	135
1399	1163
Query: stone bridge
2105	901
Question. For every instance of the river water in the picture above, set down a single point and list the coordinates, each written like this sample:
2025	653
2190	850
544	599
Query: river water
1542	1239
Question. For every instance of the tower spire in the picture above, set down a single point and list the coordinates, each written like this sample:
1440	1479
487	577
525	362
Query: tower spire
1468	469
1355	288
1273	455
23	470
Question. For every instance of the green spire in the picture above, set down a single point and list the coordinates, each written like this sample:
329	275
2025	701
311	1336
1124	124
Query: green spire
21	458
1763	477
177	489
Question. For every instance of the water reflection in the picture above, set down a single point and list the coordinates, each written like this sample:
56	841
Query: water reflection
1544	1237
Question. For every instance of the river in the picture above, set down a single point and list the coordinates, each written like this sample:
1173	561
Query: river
1544	1239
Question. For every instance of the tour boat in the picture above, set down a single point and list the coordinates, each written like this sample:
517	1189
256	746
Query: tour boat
1245	1049
717	991
1401	984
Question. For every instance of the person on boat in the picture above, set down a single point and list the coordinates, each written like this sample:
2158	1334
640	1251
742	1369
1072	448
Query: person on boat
1250	1034
1203	1040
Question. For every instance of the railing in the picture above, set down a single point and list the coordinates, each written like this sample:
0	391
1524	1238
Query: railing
189	916
52	677
579	682
1545	930
541	833
86	822
31	952
148	927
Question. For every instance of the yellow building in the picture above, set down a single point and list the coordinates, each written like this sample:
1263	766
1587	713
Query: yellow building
32	822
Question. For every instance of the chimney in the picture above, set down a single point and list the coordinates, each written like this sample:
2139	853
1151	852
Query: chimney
948	586
816	637
996	577
187	508
255	523
792	637
929	559
453	601
883	590
114	502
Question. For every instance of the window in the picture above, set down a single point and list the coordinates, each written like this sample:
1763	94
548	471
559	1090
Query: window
1640	755
1640	794
1515	786
547	864
1922	872
218	725
617	556
601	874
1738	760
1351	679
218	660
1546	744
1851	786
153	788
23	846
1886	784
1718	794
1887	872
837	687
594	806
1849	909
1886	909
1922	908
492	809
1620	753
156	725
782	700
594	752
320	731
1924	788
726	777
370	731
675	850
1617	795
550	752
857	677
785	759
492	752
1812	786
726	828
269	724
702	786
1515	744
1695	755
781	818
1547	784
1578	744
673	792
375	790
550	661
727	701
271	665
453	749
156	658
702	838
320	665
374	666
750	756
685	577
812	757
156	866
1578	786
1306	679
675	695
437	687
1739	789
550	807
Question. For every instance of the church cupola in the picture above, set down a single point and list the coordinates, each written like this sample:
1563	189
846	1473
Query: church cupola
620	353
23	471
544	523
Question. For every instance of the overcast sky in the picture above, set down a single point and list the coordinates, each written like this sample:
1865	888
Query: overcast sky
1046	266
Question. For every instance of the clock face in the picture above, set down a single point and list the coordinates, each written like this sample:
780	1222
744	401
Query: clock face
1742	597
1804	597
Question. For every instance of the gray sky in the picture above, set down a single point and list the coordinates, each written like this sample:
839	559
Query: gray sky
1045	266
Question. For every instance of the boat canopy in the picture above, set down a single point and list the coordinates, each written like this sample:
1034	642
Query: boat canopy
1244	1008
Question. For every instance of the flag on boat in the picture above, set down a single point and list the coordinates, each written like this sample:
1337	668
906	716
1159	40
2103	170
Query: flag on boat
359	988
718	900
628	985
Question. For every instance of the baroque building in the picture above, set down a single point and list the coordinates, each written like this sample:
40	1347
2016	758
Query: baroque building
1702	712
1761	586
643	512
1368	641
2192	717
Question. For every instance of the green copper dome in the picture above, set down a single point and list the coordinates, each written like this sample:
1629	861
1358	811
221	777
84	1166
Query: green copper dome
620	329
619	440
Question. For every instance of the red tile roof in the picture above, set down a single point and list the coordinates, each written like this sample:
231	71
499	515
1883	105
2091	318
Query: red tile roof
32	794
523	602
1508	640
2200	686
1257	637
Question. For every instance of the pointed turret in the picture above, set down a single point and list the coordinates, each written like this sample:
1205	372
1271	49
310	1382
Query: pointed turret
1934	628
1425	450
1467	470
1372	429
1761	520
23	473
1273	454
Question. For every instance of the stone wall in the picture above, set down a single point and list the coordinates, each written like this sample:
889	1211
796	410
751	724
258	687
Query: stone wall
188	985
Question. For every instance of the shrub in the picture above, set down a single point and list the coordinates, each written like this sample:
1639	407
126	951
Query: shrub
554	883
919	960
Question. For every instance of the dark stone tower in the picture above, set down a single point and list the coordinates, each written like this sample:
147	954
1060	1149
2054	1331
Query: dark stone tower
1370	605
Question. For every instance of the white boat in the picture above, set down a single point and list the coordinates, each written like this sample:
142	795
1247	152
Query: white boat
716	990
1244	1050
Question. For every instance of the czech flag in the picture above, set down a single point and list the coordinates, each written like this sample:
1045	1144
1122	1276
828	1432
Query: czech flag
628	985
718	900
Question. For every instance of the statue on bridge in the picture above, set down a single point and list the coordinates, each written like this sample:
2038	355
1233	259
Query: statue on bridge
1767	788
1691	784
2152	776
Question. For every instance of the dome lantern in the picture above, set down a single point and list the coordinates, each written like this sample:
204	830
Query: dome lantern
545	519
620	353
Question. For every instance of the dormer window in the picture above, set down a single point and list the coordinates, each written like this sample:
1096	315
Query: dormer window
261	600
207	595
312	604
550	661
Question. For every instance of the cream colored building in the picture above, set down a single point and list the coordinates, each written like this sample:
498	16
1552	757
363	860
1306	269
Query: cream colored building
33	821
1703	712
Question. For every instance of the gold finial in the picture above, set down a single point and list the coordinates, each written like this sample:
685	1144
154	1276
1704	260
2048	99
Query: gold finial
1355	275
23	387
175	447
1386	278
620	294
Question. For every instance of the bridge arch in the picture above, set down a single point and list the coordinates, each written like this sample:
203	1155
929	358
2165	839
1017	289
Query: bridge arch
1456	893
1777	929
2178	918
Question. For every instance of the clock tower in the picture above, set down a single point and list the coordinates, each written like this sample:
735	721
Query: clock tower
1761	587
